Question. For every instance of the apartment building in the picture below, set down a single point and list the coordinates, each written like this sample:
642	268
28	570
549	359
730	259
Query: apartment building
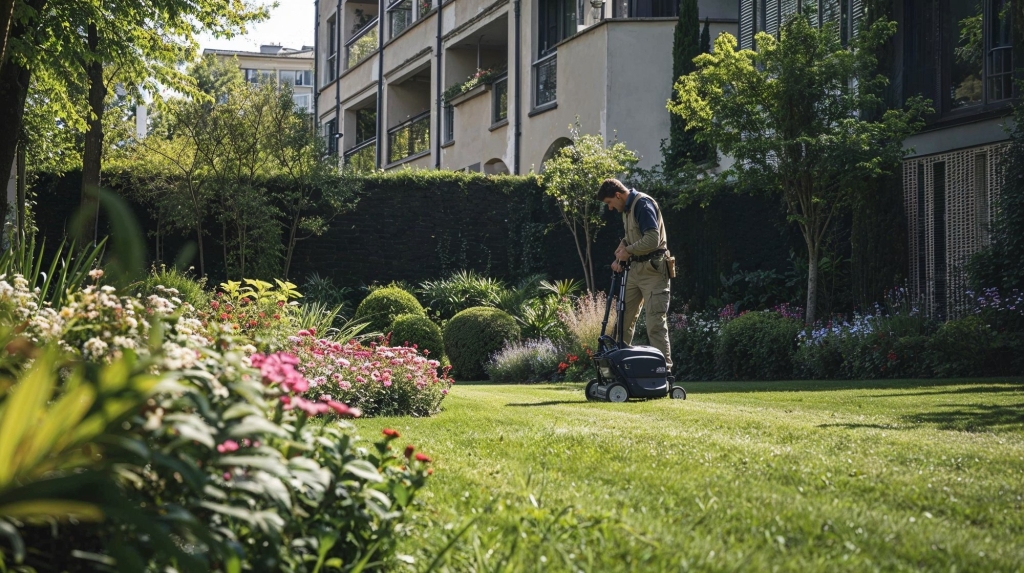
284	65
959	55
493	85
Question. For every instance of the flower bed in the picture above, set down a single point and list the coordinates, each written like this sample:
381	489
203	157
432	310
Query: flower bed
379	380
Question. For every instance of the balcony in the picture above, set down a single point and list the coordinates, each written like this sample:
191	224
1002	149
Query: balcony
409	138
363	43
400	17
363	157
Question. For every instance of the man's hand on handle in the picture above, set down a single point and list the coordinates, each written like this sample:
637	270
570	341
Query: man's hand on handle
621	254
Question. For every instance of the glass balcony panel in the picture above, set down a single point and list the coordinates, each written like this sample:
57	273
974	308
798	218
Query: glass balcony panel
409	138
361	46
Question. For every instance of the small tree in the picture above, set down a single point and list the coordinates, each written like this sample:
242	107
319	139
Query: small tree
573	177
788	115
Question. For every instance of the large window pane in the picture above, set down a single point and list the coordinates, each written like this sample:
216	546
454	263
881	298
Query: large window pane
1000	52
400	17
500	100
366	124
920	46
966	88
544	74
362	46
409	139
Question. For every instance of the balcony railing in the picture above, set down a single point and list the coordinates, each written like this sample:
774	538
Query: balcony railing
362	157
409	138
544	79
364	43
399	17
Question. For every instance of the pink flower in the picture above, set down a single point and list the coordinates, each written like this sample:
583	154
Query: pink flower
227	447
310	408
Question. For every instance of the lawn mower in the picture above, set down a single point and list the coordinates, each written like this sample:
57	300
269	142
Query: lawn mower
625	371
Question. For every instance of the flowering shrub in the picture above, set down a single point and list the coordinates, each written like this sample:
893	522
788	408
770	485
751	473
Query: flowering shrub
527	361
378	380
221	446
693	338
259	311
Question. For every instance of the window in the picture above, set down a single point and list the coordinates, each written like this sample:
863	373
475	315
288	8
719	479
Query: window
297	77
331	135
332	49
645	9
939	237
302	102
544	71
399	17
449	123
557	21
366	124
257	76
409	138
499	103
981	211
958	53
362	45
999	55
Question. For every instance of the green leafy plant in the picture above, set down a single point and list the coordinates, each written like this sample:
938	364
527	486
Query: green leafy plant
461	290
418	330
67	271
383	305
757	346
473	335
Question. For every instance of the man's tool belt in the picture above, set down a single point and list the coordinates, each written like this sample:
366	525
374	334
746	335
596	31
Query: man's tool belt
649	256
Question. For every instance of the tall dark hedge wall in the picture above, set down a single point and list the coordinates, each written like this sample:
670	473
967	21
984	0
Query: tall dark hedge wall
416	226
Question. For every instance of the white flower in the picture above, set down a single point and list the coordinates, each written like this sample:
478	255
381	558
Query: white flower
94	347
95	273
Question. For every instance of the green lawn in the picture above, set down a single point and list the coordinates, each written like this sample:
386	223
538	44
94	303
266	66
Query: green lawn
797	476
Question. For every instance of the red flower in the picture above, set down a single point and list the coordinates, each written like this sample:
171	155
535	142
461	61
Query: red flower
280	303
391	434
562	366
223	316
409	450
423	458
214	304
892	356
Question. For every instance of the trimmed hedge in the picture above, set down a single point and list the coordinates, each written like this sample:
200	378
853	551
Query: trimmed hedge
473	335
383	305
418	330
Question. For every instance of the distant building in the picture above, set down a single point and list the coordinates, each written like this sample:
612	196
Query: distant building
393	89
286	65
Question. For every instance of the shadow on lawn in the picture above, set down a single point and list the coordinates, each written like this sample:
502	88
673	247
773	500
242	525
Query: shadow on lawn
547	403
970	390
959	417
830	385
973	417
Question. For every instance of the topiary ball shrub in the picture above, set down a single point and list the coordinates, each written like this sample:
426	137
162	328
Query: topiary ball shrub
473	335
418	330
757	346
385	304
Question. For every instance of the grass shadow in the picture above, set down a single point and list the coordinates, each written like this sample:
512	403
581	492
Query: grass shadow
971	390
737	387
546	403
973	417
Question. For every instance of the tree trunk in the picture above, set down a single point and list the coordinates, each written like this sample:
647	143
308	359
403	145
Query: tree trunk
92	156
14	81
291	245
6	19
202	259
812	279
